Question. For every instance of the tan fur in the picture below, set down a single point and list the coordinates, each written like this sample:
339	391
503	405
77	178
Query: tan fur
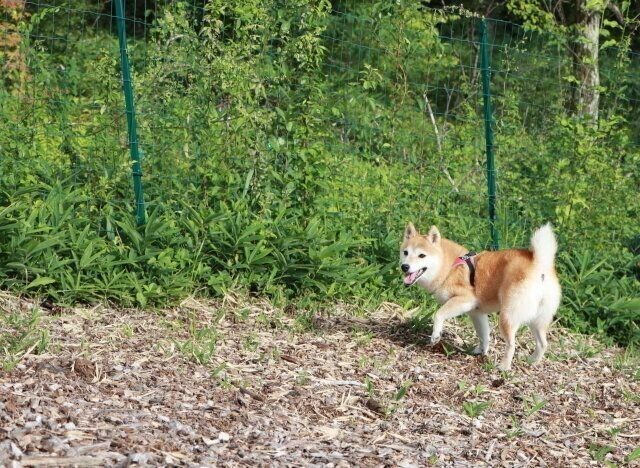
512	281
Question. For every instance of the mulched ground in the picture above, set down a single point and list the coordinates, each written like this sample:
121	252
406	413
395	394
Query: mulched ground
118	387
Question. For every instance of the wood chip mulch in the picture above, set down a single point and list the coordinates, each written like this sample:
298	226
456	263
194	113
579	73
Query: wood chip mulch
122	387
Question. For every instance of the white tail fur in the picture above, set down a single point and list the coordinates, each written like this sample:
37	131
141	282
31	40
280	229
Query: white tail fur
544	247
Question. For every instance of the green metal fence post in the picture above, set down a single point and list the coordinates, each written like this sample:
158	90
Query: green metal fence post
488	132
132	128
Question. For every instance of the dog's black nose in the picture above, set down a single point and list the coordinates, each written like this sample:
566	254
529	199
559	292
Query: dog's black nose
405	267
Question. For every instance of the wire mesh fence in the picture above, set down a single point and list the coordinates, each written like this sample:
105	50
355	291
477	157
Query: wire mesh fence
363	115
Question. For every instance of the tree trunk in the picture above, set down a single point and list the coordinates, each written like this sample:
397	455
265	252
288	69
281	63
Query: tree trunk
586	94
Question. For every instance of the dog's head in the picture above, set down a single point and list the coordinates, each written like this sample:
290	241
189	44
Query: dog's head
420	255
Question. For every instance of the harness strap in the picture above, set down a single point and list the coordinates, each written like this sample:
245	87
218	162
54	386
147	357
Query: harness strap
468	259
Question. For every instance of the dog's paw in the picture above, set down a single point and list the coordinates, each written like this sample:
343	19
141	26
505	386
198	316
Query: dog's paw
435	339
480	350
503	367
534	359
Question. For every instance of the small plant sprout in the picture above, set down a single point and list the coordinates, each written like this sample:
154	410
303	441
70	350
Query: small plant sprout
515	429
599	452
251	343
219	370
201	345
475	390
368	387
127	330
633	456
630	395
614	431
479	389
398	396
402	390
362	337
533	404
303	378
473	409
462	386
488	365
448	349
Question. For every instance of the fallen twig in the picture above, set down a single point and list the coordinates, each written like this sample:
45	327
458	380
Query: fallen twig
64	461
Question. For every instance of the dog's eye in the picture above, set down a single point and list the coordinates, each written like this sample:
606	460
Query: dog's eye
422	255
406	253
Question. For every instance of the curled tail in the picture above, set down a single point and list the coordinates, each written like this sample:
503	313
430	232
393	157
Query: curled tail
544	247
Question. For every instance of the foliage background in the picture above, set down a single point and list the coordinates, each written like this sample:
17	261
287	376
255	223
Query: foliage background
287	143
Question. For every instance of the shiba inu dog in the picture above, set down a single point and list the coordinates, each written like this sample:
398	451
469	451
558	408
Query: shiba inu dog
521	284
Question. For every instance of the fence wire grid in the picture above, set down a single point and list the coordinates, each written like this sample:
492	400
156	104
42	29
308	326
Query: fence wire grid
383	113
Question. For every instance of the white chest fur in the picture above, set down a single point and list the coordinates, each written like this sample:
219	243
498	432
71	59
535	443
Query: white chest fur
442	296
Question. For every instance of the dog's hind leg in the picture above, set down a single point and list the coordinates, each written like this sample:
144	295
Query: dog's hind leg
539	326
539	332
520	306
483	330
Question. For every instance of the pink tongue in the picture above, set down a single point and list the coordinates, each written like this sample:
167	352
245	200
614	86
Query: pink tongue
410	278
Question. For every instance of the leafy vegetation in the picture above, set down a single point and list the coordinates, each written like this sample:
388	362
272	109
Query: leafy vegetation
287	143
19	336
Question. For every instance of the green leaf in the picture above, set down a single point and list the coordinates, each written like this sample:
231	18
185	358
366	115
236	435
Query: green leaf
87	257
626	305
635	455
46	244
41	281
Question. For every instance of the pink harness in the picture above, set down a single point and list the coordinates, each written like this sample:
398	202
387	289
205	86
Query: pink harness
459	261
469	260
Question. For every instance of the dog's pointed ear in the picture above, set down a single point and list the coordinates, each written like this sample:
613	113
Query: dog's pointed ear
434	235
410	231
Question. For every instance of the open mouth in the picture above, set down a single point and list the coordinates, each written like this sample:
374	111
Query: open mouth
411	278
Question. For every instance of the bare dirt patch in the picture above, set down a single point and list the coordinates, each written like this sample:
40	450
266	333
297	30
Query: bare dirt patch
240	383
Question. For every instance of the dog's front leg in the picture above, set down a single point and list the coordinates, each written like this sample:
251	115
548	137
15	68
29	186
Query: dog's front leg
455	306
